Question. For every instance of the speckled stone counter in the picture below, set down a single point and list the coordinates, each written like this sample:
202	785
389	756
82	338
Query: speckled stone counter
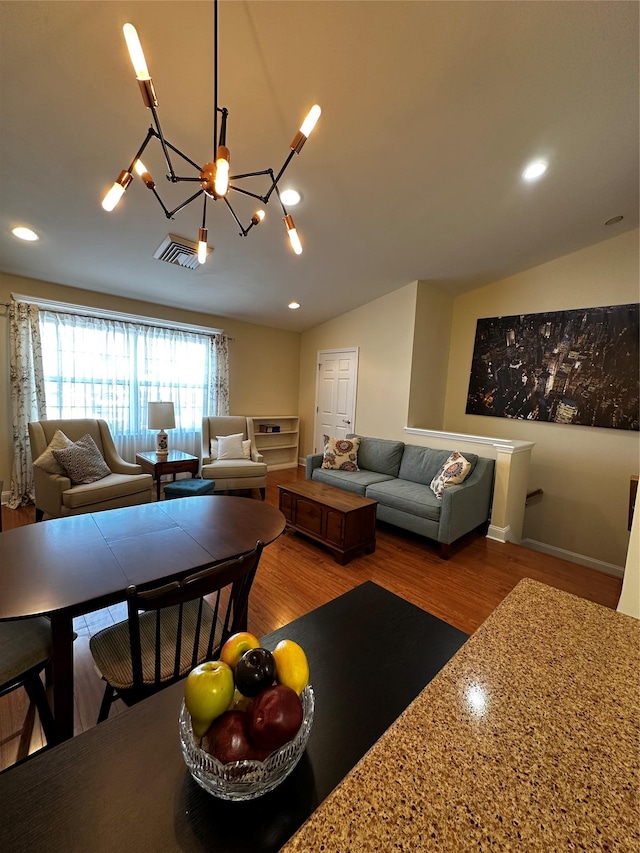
529	739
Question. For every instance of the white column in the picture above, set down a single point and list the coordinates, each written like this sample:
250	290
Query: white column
510	490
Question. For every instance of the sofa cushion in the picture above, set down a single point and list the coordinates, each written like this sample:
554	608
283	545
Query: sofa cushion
406	496
82	461
454	471
379	454
109	488
422	464
350	481
47	461
226	469
340	454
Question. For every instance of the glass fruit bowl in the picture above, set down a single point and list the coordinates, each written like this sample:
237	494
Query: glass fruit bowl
248	779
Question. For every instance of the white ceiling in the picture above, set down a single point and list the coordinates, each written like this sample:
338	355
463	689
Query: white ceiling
430	112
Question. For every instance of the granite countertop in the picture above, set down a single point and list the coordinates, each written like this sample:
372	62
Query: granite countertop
529	739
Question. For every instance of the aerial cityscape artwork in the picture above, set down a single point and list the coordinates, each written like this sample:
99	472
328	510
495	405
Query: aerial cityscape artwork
569	367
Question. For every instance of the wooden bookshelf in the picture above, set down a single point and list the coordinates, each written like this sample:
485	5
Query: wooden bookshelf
279	446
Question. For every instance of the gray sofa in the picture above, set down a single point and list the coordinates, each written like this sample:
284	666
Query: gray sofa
399	475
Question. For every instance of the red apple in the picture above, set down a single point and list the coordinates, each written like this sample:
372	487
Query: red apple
227	739
236	645
275	717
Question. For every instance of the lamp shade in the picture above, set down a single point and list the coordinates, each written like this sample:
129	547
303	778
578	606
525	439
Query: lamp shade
161	416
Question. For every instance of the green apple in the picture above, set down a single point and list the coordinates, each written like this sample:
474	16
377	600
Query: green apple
236	645
208	692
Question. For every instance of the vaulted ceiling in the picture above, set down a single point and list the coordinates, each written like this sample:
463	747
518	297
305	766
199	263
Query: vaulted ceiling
431	110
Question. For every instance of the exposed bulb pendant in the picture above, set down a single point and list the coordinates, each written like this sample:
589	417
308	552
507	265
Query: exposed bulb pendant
202	245
221	180
294	239
117	190
214	177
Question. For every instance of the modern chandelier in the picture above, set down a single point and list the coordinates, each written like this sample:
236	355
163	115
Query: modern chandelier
213	177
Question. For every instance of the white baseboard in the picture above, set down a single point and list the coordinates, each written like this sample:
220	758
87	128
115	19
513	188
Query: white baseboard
581	559
499	534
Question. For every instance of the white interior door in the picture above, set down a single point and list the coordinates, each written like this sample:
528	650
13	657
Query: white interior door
335	394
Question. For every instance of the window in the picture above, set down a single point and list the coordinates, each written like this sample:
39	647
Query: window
111	369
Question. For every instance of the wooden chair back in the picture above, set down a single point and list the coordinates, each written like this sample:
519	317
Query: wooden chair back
226	588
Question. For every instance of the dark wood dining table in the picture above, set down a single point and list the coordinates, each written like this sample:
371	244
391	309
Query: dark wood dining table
66	567
124	785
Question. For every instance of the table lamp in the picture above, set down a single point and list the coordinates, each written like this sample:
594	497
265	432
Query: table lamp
161	417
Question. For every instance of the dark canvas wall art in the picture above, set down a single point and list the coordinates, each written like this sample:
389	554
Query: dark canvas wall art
571	367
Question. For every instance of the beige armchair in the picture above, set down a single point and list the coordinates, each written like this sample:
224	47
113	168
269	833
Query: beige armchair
236	473
55	494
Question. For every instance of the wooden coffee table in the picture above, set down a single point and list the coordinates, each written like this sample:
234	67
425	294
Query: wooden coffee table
341	521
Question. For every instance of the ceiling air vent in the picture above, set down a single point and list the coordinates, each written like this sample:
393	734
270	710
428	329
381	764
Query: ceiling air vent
180	251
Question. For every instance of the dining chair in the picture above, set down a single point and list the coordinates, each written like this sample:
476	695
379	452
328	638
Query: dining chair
171	629
25	650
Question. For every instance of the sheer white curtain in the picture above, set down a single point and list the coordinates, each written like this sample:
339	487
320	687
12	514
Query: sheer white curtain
111	369
27	395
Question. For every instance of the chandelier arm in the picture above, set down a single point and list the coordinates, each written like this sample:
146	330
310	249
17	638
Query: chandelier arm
280	173
149	137
251	174
247	192
160	202
171	214
284	209
163	142
243	231
180	153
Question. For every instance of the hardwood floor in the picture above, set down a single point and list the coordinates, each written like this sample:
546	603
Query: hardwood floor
296	575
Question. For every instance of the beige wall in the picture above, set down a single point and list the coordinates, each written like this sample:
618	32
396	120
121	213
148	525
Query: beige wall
584	471
263	362
383	332
432	337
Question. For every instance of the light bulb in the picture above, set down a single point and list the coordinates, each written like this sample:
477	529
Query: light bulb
135	52
144	173
310	121
257	217
296	245
117	190
221	180
202	245
305	129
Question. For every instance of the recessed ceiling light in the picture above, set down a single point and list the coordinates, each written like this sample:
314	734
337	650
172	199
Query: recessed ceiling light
24	233
535	170
290	197
294	305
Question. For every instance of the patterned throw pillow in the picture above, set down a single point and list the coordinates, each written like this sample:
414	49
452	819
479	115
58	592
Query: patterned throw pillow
341	454
82	461
213	449
47	460
454	471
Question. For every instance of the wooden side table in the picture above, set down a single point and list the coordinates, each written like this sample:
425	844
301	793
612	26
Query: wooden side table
176	462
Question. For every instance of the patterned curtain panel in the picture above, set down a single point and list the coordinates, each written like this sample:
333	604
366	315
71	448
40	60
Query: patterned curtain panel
27	395
219	396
